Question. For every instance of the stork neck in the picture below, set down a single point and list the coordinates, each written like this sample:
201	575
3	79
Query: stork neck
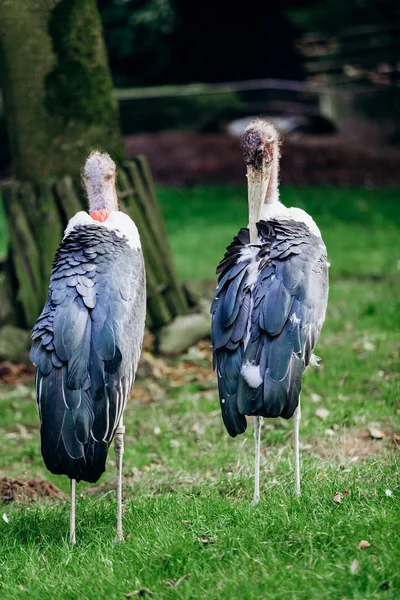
102	196
272	193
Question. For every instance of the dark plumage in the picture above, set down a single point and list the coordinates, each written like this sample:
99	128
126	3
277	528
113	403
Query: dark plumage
268	312
84	350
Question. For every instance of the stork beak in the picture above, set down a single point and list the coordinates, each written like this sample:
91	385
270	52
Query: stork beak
257	181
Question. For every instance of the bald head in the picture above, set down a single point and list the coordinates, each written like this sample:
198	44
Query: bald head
99	174
260	144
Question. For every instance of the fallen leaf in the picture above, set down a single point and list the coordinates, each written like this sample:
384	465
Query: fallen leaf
204	539
322	413
343	398
5	518
305	446
346	492
368	346
175	443
338	497
354	567
175	582
363	544
140	592
315	398
376	433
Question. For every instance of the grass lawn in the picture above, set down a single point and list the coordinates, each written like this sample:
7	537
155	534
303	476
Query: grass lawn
191	532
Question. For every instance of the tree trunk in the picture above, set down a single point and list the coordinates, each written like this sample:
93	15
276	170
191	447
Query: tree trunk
57	88
60	103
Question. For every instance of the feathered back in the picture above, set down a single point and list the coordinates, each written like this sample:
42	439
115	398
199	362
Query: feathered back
267	315
87	344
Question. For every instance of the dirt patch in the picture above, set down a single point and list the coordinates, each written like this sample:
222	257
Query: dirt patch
12	373
24	490
180	158
354	445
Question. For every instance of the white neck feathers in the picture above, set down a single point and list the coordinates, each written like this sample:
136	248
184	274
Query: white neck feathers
117	221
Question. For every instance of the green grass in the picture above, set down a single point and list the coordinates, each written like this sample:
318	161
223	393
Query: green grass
186	480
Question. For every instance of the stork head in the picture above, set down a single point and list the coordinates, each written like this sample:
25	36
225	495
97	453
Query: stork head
99	175
260	145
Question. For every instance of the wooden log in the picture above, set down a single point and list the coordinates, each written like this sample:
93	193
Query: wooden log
160	314
148	207
10	309
50	229
68	197
145	174
24	251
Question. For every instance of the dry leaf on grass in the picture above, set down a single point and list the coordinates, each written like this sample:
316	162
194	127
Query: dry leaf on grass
376	433
354	567
175	582
204	539
338	497
140	592
363	544
322	413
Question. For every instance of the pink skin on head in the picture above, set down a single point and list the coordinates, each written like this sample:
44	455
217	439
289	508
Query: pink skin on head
100	215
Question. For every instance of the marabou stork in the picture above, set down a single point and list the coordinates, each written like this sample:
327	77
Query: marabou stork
270	302
88	338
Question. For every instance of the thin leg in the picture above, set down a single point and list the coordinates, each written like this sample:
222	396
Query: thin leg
257	436
119	452
296	424
72	485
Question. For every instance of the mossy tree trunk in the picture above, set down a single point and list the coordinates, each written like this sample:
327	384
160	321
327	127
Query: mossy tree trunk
60	104
57	88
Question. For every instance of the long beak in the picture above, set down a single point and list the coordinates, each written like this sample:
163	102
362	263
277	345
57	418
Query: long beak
257	182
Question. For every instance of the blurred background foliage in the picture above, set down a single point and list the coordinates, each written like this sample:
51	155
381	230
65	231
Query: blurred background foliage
316	16
138	35
174	41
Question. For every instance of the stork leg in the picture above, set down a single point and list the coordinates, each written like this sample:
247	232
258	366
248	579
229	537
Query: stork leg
119	452
257	437
296	427
72	486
